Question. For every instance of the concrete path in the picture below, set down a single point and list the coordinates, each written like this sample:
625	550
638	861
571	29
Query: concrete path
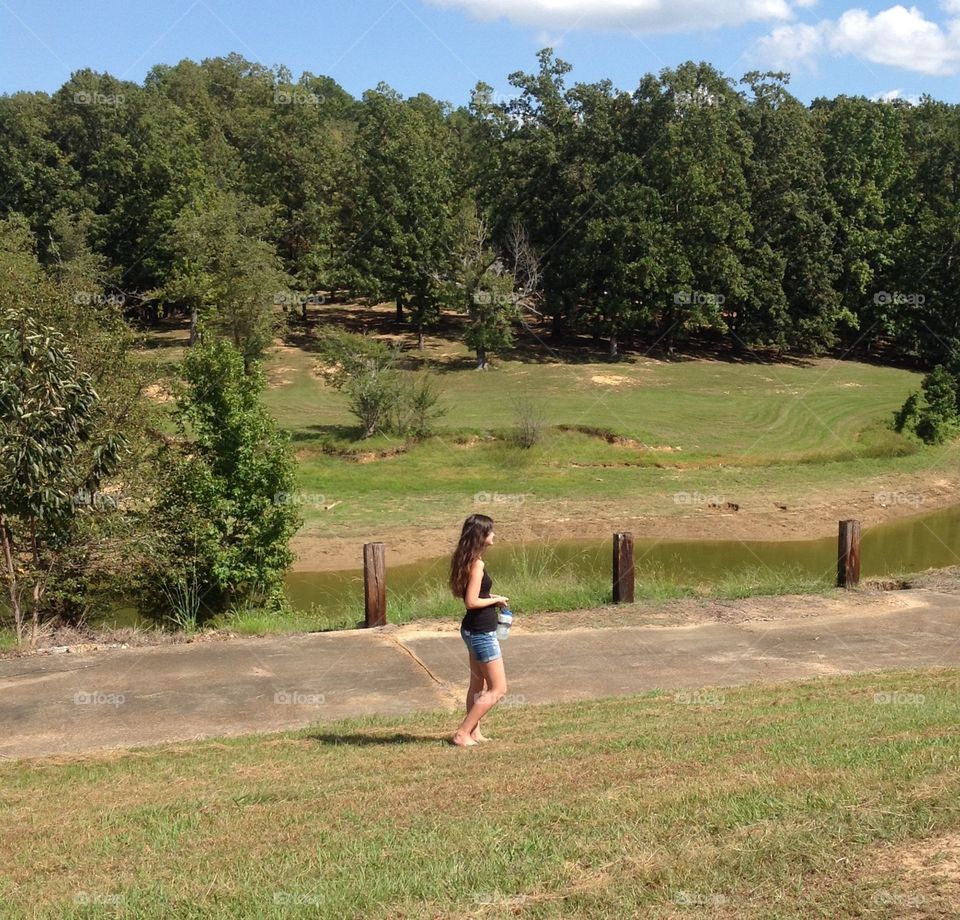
129	697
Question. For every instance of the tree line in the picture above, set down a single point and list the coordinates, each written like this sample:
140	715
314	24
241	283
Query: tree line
695	208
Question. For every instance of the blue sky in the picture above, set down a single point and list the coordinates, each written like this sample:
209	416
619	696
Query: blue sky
444	47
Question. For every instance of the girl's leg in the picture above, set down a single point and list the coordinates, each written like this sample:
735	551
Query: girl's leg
496	687
474	690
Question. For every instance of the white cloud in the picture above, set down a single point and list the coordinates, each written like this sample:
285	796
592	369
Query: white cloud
627	15
549	39
791	47
893	94
898	37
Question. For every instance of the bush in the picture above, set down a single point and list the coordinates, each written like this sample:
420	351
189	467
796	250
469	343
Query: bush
380	396
416	409
932	414
223	532
528	423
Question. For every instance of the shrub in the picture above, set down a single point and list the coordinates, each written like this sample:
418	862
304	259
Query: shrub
528	423
223	530
381	397
932	413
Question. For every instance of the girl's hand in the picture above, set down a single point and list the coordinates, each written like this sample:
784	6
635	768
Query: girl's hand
501	601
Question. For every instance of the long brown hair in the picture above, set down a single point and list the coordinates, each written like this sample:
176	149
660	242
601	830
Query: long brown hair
472	539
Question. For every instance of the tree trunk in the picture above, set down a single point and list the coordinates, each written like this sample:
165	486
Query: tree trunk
614	353
399	309
12	573
35	613
193	326
668	327
558	327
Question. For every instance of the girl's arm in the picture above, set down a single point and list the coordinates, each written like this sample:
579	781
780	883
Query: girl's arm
472	598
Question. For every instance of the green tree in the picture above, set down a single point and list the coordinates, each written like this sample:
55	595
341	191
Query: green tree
401	219
35	174
537	184
868	176
697	165
227	273
224	512
490	286
792	260
937	415
51	451
925	275
932	412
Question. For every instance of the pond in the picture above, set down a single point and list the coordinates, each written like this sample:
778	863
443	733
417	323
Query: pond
909	545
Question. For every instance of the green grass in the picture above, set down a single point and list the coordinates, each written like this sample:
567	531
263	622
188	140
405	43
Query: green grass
8	639
791	801
757	433
743	430
709	408
538	586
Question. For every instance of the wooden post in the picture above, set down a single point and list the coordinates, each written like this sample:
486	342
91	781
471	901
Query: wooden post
375	583
848	555
623	578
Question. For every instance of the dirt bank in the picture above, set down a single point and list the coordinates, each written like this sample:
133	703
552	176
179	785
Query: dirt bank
758	517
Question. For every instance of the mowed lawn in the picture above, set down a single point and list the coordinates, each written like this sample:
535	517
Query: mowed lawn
636	432
829	798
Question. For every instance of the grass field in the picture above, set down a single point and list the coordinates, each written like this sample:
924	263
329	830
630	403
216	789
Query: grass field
631	435
829	799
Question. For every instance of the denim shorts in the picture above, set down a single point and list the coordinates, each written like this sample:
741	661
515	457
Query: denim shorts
484	646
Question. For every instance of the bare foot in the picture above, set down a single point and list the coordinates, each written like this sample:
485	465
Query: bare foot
477	735
461	740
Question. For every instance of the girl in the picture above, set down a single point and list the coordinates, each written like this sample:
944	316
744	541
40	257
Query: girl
471	583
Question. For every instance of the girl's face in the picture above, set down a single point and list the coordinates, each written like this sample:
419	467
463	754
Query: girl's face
488	540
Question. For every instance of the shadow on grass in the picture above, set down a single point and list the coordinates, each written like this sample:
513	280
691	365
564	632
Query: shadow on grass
365	740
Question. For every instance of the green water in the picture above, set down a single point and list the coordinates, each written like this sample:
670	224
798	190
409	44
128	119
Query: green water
909	545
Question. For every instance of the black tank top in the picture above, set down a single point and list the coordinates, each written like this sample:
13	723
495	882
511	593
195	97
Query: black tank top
483	619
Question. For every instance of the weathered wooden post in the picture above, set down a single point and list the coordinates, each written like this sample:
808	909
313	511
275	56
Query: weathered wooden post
848	555
623	578
375	583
